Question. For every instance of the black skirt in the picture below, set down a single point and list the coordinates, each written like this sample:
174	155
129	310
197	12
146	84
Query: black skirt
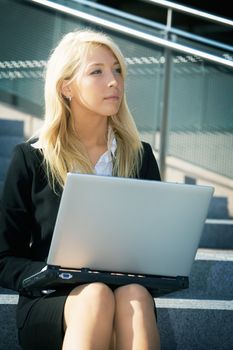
43	326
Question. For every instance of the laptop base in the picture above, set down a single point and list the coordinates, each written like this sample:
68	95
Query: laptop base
55	277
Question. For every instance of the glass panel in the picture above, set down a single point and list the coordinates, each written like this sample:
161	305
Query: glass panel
201	114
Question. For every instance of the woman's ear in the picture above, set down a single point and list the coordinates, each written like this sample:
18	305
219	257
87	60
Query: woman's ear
66	89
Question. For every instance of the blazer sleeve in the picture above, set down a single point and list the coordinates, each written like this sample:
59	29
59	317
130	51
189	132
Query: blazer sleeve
16	224
149	169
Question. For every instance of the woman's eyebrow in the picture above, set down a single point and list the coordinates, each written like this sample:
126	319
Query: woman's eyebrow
101	64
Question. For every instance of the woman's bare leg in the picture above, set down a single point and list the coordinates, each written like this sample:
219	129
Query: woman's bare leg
135	323
88	318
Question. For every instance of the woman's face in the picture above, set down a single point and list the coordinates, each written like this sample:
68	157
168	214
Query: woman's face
100	89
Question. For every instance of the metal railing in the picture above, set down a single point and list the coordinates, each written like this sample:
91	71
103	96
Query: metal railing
152	24
134	33
191	11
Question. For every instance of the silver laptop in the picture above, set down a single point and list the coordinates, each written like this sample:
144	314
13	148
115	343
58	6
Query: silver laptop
121	228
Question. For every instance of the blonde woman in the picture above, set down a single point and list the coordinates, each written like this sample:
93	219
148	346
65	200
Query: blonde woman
88	128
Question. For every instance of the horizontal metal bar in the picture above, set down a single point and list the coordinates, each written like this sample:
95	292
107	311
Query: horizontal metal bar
134	33
152	24
191	11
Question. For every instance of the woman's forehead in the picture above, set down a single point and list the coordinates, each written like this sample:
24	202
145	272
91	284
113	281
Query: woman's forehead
99	54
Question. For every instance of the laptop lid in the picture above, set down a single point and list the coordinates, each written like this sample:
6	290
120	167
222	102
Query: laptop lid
128	225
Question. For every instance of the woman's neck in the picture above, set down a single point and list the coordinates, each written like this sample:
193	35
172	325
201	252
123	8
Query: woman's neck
93	133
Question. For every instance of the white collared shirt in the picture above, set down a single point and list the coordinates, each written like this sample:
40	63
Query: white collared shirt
104	165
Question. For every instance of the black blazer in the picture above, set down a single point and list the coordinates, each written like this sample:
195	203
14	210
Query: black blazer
28	210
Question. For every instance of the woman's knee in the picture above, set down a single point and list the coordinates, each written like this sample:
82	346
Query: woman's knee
133	292
100	292
96	293
94	298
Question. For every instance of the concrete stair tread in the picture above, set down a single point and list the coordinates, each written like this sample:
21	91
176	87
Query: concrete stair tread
218	208
195	329
11	133
11	127
214	254
217	233
7	143
211	277
4	163
201	317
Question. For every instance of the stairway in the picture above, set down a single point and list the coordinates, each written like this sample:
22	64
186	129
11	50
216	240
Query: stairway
200	317
11	133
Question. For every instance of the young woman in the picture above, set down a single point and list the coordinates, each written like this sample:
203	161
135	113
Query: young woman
89	129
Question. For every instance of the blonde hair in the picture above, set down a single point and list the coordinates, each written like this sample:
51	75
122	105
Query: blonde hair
62	150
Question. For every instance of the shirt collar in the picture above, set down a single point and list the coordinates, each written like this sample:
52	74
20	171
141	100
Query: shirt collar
111	143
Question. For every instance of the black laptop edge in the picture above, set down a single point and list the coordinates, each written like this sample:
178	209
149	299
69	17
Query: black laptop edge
55	277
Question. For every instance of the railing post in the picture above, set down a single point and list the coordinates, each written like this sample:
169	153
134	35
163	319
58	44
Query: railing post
165	103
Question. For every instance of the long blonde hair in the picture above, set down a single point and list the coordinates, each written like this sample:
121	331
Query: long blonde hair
62	150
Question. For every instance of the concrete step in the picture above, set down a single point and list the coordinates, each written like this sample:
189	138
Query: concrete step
11	127
195	326
7	143
200	317
1	186
211	276
4	163
217	234
11	133
218	208
8	330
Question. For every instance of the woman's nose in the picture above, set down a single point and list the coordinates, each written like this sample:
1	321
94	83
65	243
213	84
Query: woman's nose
112	81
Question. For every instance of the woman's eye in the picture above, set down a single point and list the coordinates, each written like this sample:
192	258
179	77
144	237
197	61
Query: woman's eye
96	72
118	70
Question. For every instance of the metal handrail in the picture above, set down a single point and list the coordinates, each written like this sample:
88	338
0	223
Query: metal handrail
135	33
152	24
191	11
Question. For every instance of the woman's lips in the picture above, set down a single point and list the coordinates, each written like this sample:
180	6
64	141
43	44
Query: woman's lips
112	97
